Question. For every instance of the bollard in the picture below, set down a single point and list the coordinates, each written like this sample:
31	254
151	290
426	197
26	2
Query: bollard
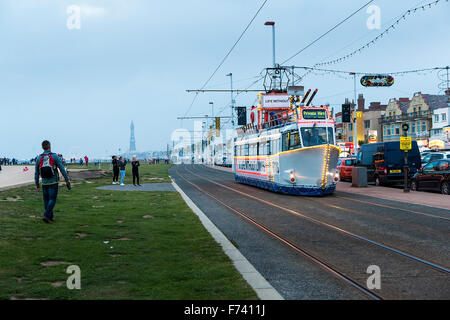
359	177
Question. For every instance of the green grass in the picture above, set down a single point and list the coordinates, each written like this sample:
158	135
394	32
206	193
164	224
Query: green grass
170	254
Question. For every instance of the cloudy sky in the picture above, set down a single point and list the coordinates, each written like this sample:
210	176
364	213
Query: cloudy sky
134	59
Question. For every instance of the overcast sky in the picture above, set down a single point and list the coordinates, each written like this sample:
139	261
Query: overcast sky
134	59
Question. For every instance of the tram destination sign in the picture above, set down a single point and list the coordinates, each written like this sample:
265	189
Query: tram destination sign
314	114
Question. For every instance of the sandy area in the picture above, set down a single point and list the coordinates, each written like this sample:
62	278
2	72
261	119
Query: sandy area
11	176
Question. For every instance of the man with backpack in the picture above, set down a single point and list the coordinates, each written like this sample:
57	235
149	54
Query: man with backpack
47	165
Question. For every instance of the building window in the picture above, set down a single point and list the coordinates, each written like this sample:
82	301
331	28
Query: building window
388	130
385	131
367	124
424	126
436	118
397	130
350	127
444	116
413	127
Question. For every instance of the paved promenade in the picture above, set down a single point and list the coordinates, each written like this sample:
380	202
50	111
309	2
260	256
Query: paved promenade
15	176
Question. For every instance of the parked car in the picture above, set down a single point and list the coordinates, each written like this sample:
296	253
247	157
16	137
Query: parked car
385	161
344	167
433	176
434	156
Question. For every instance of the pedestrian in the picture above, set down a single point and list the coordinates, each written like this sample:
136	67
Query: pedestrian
86	160
135	170
47	165
115	166
122	164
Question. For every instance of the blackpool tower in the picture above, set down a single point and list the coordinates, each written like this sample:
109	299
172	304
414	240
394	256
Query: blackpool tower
132	140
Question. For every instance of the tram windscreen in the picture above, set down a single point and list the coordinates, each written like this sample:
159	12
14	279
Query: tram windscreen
315	136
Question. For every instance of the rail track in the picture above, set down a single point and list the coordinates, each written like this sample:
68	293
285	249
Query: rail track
329	266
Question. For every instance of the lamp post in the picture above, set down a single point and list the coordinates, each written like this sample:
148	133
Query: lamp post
271	23
232	100
355	126
211	144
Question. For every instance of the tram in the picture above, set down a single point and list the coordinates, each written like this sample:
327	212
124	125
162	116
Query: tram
288	147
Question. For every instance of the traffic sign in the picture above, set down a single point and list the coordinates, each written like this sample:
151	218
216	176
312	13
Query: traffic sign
405	143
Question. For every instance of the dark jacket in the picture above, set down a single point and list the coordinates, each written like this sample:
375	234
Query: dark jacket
135	165
115	164
122	164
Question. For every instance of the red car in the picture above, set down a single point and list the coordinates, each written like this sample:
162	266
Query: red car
344	167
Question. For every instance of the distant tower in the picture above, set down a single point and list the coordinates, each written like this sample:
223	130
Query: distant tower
132	140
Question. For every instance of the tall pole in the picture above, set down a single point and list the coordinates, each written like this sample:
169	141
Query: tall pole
271	23
355	126
232	100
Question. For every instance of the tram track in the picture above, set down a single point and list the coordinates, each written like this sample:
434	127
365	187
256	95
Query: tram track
442	269
330	226
305	253
401	218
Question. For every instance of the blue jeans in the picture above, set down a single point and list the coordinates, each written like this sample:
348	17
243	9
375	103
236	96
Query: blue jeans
50	193
122	176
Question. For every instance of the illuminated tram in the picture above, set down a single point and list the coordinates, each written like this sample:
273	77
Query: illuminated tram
288	147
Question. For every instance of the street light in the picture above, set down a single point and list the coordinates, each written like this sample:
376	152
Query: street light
212	109
271	23
232	101
355	125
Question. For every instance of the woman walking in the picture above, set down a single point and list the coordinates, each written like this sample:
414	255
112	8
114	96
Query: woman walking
122	164
115	166
135	170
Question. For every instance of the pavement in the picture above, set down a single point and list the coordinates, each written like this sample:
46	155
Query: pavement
15	176
347	231
143	187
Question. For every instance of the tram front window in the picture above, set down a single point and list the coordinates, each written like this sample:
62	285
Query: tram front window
316	136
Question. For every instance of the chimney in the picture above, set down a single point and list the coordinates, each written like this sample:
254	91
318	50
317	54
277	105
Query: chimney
403	99
361	102
374	105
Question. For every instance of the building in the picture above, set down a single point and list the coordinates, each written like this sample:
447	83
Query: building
391	122
440	127
417	113
369	123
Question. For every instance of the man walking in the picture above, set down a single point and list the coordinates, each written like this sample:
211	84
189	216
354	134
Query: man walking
46	167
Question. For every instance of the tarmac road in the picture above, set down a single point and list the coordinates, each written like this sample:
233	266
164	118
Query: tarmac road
346	232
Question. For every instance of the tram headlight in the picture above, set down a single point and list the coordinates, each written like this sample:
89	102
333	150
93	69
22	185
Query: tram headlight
292	176
336	177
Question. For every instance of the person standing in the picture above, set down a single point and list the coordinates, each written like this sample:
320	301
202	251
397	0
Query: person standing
122	164
135	170
115	167
86	160
47	165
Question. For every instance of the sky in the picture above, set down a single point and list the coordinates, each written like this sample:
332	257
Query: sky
133	60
